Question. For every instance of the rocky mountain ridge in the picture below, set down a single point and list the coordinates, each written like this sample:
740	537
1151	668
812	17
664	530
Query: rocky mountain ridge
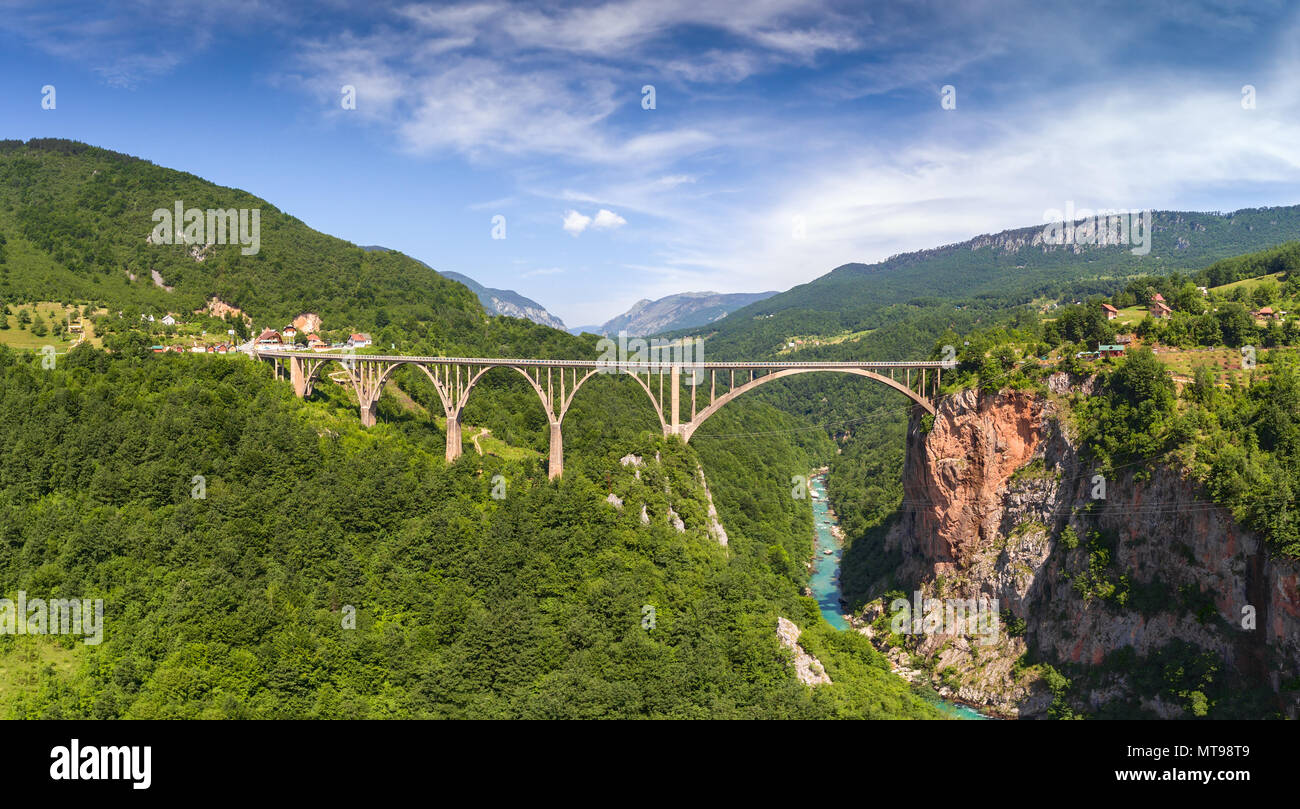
683	311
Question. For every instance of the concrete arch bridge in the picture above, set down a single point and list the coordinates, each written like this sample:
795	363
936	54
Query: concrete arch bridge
708	385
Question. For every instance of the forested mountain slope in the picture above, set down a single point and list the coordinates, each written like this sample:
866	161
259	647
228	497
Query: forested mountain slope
75	222
233	530
1013	266
235	603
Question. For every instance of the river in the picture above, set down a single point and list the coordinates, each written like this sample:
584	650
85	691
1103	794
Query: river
825	581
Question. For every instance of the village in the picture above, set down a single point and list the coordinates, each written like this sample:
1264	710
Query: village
285	339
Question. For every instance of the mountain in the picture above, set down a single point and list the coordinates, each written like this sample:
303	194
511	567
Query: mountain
535	600
1014	266
505	302
683	311
508	302
78	223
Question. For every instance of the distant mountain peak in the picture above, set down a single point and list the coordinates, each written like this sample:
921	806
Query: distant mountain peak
505	302
681	311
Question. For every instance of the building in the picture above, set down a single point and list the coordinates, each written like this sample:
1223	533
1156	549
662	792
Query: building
1110	351
168	320
1158	297
1266	313
1159	308
289	333
1111	311
269	338
314	341
359	340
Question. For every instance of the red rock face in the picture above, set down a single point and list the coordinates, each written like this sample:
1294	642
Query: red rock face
967	527
957	492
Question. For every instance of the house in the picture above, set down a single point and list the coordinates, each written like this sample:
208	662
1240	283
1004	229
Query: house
314	341
159	349
198	350
359	340
1124	339
289	333
269	338
168	320
1111	311
1159	308
223	348
1158	297
1110	351
1266	313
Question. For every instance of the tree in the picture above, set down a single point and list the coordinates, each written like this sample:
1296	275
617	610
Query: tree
1237	325
1264	293
1203	386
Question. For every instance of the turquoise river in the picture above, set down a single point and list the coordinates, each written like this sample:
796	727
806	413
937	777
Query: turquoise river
825	582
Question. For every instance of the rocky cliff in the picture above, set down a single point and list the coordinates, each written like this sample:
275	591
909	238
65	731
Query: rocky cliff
1129	596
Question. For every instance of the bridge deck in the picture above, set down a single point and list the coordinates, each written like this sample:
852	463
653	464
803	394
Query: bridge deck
637	366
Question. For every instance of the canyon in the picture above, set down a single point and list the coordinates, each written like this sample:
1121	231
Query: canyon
1000	501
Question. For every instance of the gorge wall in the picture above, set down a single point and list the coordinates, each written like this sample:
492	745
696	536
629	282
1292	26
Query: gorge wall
1134	603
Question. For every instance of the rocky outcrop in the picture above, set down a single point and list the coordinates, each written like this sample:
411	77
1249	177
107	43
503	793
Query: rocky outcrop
219	309
1105	580
307	322
807	668
715	525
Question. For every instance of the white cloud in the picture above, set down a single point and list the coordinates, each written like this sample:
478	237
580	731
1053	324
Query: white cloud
575	222
606	220
1162	143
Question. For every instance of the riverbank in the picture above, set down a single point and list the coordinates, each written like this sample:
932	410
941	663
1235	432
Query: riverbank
824	584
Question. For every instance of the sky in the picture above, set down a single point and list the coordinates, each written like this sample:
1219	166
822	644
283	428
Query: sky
784	139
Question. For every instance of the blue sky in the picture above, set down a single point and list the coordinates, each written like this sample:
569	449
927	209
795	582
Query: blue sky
787	138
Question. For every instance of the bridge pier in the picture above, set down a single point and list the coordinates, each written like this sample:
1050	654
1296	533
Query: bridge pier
298	376
453	436
556	466
675	379
369	412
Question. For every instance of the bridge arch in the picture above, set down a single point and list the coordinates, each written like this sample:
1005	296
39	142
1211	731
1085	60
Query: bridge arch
613	372
687	430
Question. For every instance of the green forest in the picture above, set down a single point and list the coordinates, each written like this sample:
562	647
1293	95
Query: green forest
233	604
262	556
